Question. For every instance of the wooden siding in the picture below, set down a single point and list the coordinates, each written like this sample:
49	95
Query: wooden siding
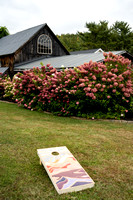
8	61
29	50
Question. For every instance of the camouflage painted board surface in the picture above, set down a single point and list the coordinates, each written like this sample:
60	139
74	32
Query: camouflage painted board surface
65	172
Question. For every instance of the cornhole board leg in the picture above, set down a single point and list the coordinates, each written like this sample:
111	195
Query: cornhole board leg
65	172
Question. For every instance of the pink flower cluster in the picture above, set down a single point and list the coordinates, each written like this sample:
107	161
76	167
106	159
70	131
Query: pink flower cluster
95	81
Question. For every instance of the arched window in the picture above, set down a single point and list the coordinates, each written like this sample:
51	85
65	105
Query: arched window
44	44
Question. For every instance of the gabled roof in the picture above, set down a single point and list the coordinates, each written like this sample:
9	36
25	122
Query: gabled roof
11	43
67	61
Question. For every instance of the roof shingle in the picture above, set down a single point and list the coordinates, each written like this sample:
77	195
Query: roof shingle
11	43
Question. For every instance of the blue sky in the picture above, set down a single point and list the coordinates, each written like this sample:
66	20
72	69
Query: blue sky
63	16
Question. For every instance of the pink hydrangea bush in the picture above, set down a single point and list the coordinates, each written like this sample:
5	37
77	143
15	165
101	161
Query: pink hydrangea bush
120	88
100	89
8	89
27	87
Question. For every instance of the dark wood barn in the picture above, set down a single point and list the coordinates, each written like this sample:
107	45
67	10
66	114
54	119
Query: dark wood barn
29	45
28	48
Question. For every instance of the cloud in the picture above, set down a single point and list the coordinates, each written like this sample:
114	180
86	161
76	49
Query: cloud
62	16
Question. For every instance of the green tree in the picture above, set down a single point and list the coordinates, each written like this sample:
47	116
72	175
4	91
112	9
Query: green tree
117	37
72	42
122	36
98	35
3	31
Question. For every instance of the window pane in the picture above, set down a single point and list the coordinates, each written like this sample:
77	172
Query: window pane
44	44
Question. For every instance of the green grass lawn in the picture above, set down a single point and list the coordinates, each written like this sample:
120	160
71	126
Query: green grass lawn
103	148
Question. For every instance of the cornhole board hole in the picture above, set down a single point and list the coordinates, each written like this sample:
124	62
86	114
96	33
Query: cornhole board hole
65	172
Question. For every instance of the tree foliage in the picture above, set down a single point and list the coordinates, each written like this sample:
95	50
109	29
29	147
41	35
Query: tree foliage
122	36
119	36
71	41
98	35
3	31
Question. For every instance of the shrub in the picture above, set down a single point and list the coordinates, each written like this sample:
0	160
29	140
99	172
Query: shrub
92	90
8	89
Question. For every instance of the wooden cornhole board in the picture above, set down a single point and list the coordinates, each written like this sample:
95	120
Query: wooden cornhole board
65	172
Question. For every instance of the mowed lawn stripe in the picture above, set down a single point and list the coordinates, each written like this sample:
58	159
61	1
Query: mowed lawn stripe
103	148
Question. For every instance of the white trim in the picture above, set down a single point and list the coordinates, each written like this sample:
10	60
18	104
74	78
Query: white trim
99	51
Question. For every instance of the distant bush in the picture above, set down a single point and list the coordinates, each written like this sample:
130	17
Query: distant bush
93	90
6	88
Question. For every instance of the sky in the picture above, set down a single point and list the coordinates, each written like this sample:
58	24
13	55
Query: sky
63	16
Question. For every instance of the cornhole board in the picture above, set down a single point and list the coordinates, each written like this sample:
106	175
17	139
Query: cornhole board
65	172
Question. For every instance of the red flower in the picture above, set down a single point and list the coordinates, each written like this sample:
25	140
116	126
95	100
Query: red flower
114	91
82	85
103	79
94	77
115	84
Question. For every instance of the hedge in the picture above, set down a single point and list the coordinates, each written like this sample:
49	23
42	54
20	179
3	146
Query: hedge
92	90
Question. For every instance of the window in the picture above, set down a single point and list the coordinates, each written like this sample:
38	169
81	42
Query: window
44	44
